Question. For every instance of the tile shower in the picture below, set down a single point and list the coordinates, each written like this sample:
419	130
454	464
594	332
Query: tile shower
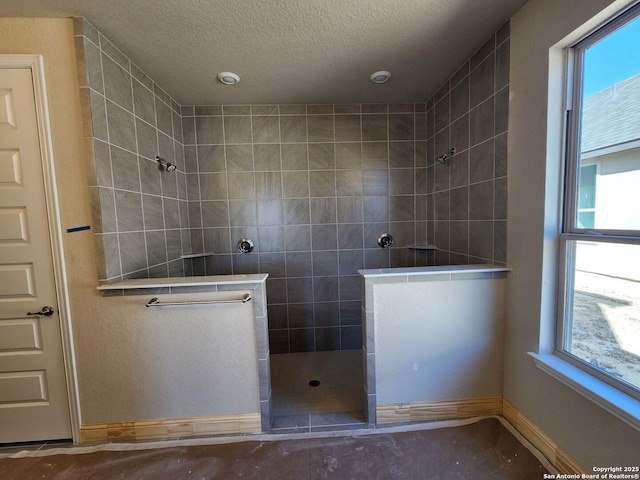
312	185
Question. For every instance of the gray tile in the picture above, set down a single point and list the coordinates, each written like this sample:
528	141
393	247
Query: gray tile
242	212
350	313
117	83
193	187
265	129
481	81
293	109
132	252
153	215
189	130
326	314
177	127
503	32
322	183
147	138
121	127
481	123
268	185
349	262
441	177
321	156
348	128
241	185
401	108
164	117
129	211
421	181
348	155
266	158
374	127
271	239
125	169
374	108
319	109
299	264
347	108
215	213
481	159
350	338
442	206
195	214
420	126
324	237
500	241
500	199
218	240
501	110
237	129
320	128
459	203
149	176
270	212
98	116
143	102
325	289
228	110
209	130
372	230
295	184
327	339
219	265
375	182
274	265
350	236
245	264
500	161
171	213
293	129
401	127
156	248
101	155
483	52
375	155
297	238
349	183
442	231
402	208
441	112
239	158
502	65
378	258
460	133
482	235
207	110
213	186
264	109
349	210
401	181
300	291
460	99
296	211
401	155
325	263
350	288
403	235
323	210
459	241
301	340
376	209
211	158
295	157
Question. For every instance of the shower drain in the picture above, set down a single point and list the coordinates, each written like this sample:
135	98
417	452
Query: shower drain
314	383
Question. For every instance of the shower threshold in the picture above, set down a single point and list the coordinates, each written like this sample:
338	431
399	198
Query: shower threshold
317	391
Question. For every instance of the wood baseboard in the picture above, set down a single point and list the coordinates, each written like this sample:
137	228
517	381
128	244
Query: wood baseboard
558	457
446	410
171	428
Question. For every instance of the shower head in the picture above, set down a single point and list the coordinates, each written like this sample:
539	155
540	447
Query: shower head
168	166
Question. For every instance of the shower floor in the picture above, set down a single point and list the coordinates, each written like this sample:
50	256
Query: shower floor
336	402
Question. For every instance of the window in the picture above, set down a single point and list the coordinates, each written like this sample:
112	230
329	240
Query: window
599	302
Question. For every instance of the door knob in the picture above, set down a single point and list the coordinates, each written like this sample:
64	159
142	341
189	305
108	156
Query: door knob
47	311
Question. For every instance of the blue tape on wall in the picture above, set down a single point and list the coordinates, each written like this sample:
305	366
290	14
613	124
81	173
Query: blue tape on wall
78	229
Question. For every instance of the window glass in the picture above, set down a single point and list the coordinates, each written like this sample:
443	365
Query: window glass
610	133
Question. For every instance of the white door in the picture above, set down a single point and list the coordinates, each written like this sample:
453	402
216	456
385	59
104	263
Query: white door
33	392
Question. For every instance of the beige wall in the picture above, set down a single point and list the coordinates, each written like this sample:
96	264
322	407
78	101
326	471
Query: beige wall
588	433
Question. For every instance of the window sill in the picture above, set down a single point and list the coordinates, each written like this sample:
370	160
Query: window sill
612	400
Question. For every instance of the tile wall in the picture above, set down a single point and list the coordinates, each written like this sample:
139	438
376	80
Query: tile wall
313	186
467	197
140	212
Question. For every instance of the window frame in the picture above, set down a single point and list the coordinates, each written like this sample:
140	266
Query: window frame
570	234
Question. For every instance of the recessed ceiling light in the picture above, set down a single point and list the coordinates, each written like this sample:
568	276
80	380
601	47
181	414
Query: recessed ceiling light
380	77
228	78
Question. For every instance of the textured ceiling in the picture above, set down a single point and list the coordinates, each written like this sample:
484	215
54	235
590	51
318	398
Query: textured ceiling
288	51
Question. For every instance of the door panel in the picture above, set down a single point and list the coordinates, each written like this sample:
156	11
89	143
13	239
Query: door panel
33	393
